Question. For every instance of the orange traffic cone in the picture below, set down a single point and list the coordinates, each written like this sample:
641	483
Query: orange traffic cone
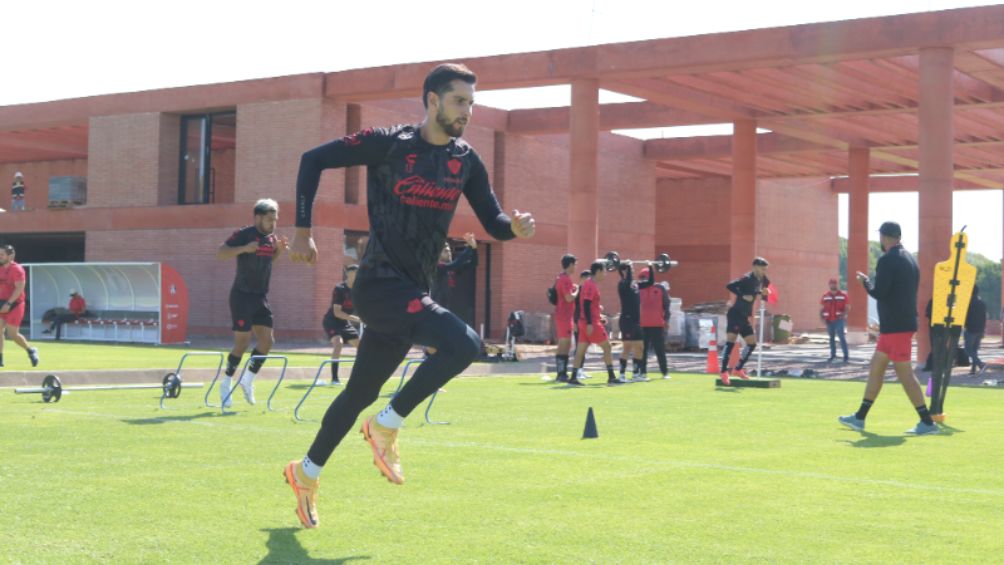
712	367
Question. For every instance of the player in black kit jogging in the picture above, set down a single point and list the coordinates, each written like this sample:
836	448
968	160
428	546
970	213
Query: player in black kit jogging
746	288
416	175
256	247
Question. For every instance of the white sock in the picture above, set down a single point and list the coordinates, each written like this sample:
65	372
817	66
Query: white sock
388	418
311	469
227	382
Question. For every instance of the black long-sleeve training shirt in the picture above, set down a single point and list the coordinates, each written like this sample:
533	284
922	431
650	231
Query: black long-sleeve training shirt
446	274
413	188
976	317
746	285
627	290
895	289
254	270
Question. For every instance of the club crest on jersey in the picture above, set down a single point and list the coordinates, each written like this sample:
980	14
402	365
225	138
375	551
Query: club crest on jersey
454	166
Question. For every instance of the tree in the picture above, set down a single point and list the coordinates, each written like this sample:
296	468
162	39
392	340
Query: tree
988	274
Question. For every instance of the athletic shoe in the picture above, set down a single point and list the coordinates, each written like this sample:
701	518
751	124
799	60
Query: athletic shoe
639	379
574	382
725	378
305	490
922	429
33	355
741	373
853	422
831	359
666	376
562	378
615	382
247	386
383	441
225	397
336	382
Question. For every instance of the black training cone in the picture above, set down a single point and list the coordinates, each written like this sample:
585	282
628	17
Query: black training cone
590	431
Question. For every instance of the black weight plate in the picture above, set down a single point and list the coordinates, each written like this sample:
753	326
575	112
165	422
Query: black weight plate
53	389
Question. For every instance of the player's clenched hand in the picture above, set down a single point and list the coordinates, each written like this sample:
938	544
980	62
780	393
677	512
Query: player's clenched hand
303	249
469	239
251	247
522	224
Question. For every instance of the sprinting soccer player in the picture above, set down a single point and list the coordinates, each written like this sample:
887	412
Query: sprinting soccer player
630	322
895	289
746	288
256	248
591	330
339	322
564	310
416	176
12	279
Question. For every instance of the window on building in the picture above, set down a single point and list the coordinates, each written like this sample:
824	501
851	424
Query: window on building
207	160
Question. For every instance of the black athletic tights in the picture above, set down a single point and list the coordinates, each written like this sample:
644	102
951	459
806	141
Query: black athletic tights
656	339
378	357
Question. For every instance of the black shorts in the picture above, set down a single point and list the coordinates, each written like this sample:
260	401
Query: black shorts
736	323
335	327
630	330
249	309
390	305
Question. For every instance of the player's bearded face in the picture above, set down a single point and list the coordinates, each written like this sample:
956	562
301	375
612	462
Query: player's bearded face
452	125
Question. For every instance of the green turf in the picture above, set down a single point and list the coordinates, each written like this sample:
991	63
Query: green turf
681	473
77	356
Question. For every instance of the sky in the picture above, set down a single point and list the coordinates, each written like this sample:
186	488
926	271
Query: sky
62	49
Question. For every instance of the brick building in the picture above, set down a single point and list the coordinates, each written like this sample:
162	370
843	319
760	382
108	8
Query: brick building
171	172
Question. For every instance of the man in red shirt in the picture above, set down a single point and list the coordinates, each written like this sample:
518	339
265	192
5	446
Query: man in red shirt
76	309
566	291
835	306
12	303
591	328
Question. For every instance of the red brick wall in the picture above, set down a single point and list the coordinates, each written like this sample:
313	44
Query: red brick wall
797	233
36	179
271	137
691	229
124	157
193	253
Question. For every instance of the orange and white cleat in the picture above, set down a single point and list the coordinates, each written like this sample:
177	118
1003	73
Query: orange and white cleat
305	490
383	441
725	378
741	373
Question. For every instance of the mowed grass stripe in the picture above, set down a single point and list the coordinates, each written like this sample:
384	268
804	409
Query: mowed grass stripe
681	473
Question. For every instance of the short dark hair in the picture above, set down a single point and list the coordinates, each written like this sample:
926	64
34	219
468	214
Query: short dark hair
438	80
265	206
596	267
567	260
760	262
8	248
585	274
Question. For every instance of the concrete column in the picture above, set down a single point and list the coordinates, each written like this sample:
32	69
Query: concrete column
936	137
583	217
742	215
857	237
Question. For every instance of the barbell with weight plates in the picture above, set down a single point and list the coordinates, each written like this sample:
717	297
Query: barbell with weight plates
612	261
52	389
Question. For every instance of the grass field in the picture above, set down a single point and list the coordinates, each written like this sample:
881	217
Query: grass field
681	473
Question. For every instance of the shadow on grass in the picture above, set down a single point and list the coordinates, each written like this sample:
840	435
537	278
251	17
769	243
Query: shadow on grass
166	419
731	389
283	547
869	439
